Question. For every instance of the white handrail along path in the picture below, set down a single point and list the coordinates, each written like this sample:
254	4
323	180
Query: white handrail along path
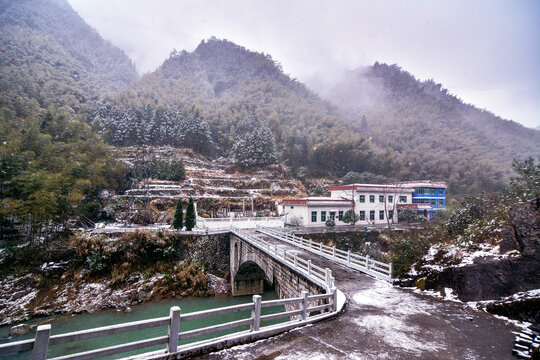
334	301
365	264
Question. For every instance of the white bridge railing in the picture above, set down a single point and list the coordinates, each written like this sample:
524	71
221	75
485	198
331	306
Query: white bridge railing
316	274
333	299
365	264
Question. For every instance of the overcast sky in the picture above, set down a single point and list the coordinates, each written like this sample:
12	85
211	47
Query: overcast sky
487	52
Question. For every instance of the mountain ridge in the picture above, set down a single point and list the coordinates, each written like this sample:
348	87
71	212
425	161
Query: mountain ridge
404	111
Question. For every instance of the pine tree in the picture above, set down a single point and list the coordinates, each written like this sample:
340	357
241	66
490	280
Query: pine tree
178	222
190	215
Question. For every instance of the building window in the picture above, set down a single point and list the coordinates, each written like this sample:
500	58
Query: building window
323	216
372	215
333	215
371	198
340	215
390	198
403	199
313	216
381	214
391	214
362	199
440	202
362	215
381	198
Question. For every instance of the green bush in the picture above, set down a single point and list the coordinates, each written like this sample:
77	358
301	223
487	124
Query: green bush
409	215
96	264
472	209
350	217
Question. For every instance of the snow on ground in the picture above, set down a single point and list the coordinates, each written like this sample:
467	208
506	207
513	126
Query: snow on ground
301	355
394	326
441	256
15	295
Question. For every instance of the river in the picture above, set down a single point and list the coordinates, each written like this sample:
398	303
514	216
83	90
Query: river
64	324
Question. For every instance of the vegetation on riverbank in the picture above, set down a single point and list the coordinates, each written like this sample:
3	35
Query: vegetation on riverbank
95	272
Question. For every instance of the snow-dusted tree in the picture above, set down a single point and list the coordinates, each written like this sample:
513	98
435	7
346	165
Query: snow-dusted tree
157	126
195	133
255	145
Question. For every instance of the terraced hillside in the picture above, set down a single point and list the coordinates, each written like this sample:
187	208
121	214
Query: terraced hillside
217	187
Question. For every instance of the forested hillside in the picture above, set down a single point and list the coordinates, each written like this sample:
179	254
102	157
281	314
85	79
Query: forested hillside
53	165
438	135
233	89
65	93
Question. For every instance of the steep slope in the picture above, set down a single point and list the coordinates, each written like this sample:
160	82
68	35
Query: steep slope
53	165
227	80
233	86
439	135
48	52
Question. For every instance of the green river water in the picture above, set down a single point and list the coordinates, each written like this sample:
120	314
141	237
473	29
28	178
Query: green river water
64	324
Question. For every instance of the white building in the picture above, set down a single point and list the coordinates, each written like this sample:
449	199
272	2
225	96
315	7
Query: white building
314	211
374	204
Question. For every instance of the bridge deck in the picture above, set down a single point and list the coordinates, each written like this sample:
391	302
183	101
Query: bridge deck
385	322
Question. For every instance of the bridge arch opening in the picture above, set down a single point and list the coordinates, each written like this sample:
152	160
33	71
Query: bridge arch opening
249	279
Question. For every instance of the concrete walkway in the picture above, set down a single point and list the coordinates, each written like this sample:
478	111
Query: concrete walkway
385	322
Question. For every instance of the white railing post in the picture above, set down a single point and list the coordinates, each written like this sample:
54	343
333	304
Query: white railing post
320	247
328	277
349	256
310	243
367	262
285	255
256	313
309	267
305	304
391	269
275	249
334	299
174	329
334	251
41	342
295	261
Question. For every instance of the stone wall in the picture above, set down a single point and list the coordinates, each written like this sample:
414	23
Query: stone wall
241	288
287	282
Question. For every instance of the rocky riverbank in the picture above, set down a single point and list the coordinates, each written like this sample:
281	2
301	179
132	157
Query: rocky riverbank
104	278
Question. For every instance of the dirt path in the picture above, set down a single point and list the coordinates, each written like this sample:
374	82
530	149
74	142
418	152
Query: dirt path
385	322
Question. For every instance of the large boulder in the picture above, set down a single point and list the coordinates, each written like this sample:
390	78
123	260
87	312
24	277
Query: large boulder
20	329
523	229
490	278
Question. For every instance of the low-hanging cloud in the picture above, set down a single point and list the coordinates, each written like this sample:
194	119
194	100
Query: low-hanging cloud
485	52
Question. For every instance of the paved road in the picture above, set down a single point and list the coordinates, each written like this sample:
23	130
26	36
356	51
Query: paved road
385	322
